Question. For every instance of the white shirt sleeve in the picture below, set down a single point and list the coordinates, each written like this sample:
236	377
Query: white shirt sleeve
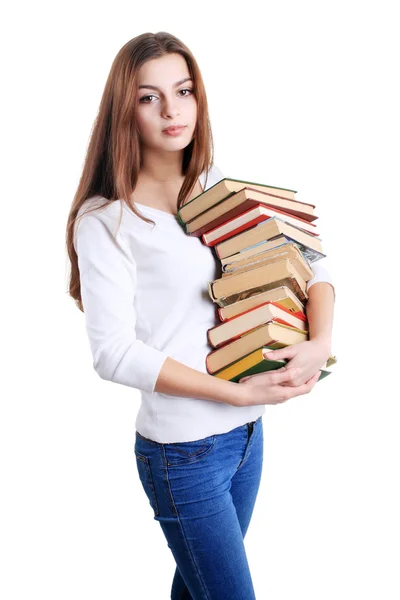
320	268
108	282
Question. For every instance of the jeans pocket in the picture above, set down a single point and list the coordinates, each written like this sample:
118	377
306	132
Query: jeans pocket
146	477
184	453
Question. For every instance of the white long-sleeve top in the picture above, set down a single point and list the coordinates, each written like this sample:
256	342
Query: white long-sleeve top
145	297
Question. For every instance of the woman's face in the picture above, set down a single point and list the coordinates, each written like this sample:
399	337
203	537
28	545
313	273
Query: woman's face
168	105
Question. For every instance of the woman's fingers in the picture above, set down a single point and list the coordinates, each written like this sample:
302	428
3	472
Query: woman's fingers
300	390
297	381
252	377
272	388
306	387
283	375
316	377
274	377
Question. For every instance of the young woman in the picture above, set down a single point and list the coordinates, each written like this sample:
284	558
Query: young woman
141	282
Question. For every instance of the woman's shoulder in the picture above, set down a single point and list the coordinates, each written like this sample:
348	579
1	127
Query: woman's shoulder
217	173
98	208
95	206
211	177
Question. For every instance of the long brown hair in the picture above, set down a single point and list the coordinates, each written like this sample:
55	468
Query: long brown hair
113	157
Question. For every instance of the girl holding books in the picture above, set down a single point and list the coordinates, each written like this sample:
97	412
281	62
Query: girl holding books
141	282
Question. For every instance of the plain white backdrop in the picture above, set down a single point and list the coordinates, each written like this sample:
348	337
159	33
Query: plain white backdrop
302	95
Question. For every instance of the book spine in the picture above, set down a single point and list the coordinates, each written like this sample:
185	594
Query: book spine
181	221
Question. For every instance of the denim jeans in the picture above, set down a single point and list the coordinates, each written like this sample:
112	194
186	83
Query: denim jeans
203	495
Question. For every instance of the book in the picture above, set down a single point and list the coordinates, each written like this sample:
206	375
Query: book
227	187
266	243
255	363
288	250
309	254
281	295
309	244
240	202
226	301
229	261
236	326
271	334
248	219
267	276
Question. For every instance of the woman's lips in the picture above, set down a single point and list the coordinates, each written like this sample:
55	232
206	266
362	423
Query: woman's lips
174	131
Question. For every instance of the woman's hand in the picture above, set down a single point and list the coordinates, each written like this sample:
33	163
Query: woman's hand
273	387
306	357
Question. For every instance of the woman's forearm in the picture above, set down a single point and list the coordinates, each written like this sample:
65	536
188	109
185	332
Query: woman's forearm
177	379
319	310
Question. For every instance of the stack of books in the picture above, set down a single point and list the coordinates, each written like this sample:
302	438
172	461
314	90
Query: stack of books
266	241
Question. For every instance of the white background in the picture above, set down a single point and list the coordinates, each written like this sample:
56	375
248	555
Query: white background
302	96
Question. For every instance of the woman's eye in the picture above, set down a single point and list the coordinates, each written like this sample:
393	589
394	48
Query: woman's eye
186	90
144	98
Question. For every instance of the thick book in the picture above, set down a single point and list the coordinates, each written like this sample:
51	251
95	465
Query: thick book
281	295
289	251
225	301
248	219
254	317
227	187
309	244
230	261
269	334
255	363
240	202
271	275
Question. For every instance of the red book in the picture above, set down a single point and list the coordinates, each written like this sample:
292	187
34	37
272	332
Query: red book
293	219
249	219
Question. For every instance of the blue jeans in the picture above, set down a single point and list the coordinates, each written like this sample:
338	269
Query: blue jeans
203	495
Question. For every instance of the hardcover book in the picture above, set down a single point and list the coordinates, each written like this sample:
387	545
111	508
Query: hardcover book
227	187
